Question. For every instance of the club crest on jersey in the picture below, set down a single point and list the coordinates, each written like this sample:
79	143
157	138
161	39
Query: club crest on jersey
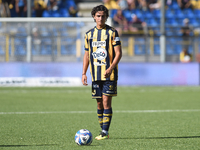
98	43
105	37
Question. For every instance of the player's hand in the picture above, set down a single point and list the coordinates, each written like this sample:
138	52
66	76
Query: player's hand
107	73
84	80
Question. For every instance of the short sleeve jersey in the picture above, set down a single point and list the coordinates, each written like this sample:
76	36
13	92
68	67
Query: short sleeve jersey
100	43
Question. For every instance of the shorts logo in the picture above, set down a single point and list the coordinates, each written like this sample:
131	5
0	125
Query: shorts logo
95	86
110	92
98	43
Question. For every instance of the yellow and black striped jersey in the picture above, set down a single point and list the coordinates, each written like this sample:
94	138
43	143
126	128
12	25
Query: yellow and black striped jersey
100	43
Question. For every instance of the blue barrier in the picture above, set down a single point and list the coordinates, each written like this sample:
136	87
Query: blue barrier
130	74
159	74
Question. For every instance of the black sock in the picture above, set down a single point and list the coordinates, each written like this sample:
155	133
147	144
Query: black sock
100	116
107	116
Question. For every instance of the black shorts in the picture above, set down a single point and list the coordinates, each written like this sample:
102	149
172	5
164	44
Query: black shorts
108	88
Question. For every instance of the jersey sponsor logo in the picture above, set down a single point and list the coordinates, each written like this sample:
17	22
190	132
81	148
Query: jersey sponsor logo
100	54
98	43
99	64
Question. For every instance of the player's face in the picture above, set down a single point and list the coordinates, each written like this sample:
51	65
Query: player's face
100	18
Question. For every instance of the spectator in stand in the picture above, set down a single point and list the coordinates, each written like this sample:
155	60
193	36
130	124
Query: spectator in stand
168	2
185	56
136	25
122	4
111	4
142	5
132	4
36	40
52	5
154	4
73	11
184	4
39	6
195	4
11	7
5	8
21	8
120	22
186	31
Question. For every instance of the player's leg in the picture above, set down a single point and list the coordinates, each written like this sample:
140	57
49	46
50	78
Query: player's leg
107	101
109	90
100	111
107	116
97	94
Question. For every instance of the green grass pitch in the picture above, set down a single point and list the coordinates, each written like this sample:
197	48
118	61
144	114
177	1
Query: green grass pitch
144	118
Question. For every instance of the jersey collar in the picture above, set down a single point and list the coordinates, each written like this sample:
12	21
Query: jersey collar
100	28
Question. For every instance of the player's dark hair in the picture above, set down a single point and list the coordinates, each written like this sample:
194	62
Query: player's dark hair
99	8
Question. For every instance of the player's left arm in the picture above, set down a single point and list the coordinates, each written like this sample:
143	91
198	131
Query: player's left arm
118	55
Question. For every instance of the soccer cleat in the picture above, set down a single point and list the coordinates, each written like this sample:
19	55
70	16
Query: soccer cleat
102	136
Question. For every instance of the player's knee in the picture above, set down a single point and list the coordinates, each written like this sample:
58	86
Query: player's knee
107	104
99	104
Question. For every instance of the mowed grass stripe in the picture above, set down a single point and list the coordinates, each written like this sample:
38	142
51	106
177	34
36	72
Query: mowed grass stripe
117	111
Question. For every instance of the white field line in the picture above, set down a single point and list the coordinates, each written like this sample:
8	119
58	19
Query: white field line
88	112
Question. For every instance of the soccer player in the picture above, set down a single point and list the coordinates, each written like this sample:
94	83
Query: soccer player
102	54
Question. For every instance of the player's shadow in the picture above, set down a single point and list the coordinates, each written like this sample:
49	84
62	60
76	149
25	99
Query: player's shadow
27	145
175	137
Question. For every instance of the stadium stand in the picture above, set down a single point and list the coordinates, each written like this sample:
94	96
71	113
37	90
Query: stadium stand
174	21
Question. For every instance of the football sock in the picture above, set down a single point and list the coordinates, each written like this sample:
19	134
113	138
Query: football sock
107	116
104	131
100	116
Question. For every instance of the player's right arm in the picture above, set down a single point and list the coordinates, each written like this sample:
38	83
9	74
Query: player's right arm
85	67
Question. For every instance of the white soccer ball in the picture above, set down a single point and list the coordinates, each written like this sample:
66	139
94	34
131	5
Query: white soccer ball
83	137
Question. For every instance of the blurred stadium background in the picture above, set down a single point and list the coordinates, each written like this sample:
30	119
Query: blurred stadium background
57	36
